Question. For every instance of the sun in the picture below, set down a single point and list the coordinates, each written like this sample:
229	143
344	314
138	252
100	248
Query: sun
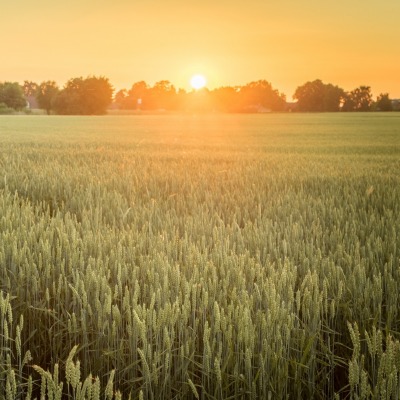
198	82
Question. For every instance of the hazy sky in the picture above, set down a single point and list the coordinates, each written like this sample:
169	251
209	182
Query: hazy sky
232	42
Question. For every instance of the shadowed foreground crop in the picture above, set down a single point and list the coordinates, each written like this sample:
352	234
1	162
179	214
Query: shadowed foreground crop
209	257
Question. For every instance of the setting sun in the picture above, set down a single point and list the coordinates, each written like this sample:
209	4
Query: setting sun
198	81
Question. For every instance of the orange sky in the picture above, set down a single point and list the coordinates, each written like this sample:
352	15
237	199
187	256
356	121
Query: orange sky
232	42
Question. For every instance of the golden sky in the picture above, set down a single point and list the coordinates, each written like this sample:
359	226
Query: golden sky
231	42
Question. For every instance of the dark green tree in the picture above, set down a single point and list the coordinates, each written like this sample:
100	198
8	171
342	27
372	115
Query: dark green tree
310	96
318	96
89	96
359	99
384	103
70	100
348	104
333	97
12	95
97	95
46	94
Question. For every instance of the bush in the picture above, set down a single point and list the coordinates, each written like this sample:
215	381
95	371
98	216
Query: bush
5	110
12	95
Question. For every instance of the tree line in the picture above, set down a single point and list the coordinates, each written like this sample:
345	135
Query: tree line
94	95
253	97
318	96
79	96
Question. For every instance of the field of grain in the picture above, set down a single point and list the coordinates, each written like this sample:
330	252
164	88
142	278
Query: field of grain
200	257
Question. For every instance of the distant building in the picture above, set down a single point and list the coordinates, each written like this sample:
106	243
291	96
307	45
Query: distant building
31	102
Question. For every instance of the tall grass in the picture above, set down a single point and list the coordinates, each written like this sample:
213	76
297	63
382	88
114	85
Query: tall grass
200	257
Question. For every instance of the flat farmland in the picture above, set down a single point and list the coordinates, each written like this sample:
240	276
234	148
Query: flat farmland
200	256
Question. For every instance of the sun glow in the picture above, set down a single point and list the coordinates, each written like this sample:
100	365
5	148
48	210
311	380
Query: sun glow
198	82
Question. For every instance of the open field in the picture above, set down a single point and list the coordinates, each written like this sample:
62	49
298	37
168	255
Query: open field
210	257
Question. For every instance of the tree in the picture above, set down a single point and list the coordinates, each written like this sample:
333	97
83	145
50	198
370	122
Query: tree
360	99
30	91
310	96
121	99
226	99
97	95
138	95
261	94
90	96
318	96
383	102
30	88
162	96
70	100
12	95
45	95
197	101
333	98
348	104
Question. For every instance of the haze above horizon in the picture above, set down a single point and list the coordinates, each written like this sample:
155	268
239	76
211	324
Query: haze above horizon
230	43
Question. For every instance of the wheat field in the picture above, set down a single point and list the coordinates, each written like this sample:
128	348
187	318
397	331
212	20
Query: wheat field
200	257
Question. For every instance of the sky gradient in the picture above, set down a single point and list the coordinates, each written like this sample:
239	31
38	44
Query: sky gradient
347	43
